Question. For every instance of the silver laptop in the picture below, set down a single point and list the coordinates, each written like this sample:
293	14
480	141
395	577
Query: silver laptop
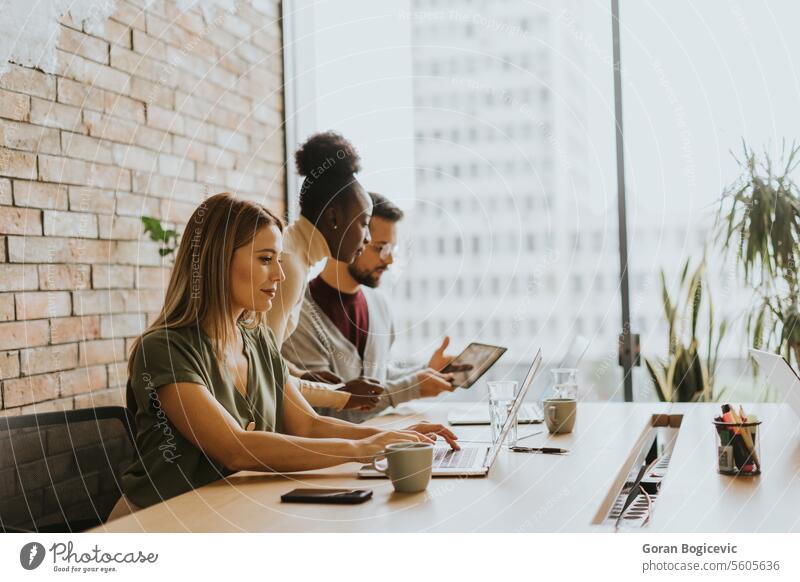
529	413
473	461
781	375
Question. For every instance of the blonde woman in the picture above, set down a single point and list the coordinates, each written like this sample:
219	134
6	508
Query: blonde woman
212	393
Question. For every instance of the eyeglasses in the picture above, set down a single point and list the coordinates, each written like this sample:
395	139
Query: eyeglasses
385	250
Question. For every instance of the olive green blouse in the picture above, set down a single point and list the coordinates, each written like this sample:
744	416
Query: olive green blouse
167	463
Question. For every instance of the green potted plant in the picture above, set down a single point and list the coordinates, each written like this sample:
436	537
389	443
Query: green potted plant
688	372
760	221
166	237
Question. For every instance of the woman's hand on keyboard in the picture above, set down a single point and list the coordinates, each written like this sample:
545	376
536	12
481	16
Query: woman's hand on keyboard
430	429
373	446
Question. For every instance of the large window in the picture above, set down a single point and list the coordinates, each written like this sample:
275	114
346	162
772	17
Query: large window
492	124
504	185
700	80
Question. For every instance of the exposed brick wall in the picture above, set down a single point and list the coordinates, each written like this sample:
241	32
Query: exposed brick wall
147	118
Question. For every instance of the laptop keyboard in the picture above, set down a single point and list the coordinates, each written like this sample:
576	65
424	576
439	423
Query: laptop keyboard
446	458
530	411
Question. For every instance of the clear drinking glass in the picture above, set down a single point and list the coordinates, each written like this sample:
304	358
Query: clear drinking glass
565	383
501	400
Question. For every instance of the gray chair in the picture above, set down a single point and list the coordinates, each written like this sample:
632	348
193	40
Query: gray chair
60	471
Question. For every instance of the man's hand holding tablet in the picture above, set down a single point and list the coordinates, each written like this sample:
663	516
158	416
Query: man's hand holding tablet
439	360
472	363
432	381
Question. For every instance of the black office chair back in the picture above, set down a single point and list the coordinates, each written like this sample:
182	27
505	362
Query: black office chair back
60	471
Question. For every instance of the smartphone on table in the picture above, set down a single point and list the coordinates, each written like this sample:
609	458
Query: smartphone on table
336	496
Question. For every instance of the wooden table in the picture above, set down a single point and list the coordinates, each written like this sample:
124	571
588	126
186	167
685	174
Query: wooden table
523	492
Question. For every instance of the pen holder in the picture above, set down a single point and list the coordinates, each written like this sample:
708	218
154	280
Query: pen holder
738	448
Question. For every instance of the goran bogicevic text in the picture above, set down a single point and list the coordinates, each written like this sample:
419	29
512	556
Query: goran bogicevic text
697	550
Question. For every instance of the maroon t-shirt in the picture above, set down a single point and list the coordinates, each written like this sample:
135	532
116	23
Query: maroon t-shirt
347	311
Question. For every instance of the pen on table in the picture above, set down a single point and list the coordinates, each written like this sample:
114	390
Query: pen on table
541	450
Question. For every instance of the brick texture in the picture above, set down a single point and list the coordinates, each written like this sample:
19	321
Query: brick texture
146	117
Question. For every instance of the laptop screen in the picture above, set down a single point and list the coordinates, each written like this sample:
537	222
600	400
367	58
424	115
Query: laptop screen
781	376
526	384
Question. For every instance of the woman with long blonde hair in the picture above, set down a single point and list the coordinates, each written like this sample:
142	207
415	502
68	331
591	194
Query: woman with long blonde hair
211	392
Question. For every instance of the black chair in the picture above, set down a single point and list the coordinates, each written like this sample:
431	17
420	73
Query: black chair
60	471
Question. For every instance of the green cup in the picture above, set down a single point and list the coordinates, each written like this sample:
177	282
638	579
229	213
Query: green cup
560	414
408	465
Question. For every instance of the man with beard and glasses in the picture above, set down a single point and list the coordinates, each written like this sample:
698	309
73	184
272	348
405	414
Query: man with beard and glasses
345	326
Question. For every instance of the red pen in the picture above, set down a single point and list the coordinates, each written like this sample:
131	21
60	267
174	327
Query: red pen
728	417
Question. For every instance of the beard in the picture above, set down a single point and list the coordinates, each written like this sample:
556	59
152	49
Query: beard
370	278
